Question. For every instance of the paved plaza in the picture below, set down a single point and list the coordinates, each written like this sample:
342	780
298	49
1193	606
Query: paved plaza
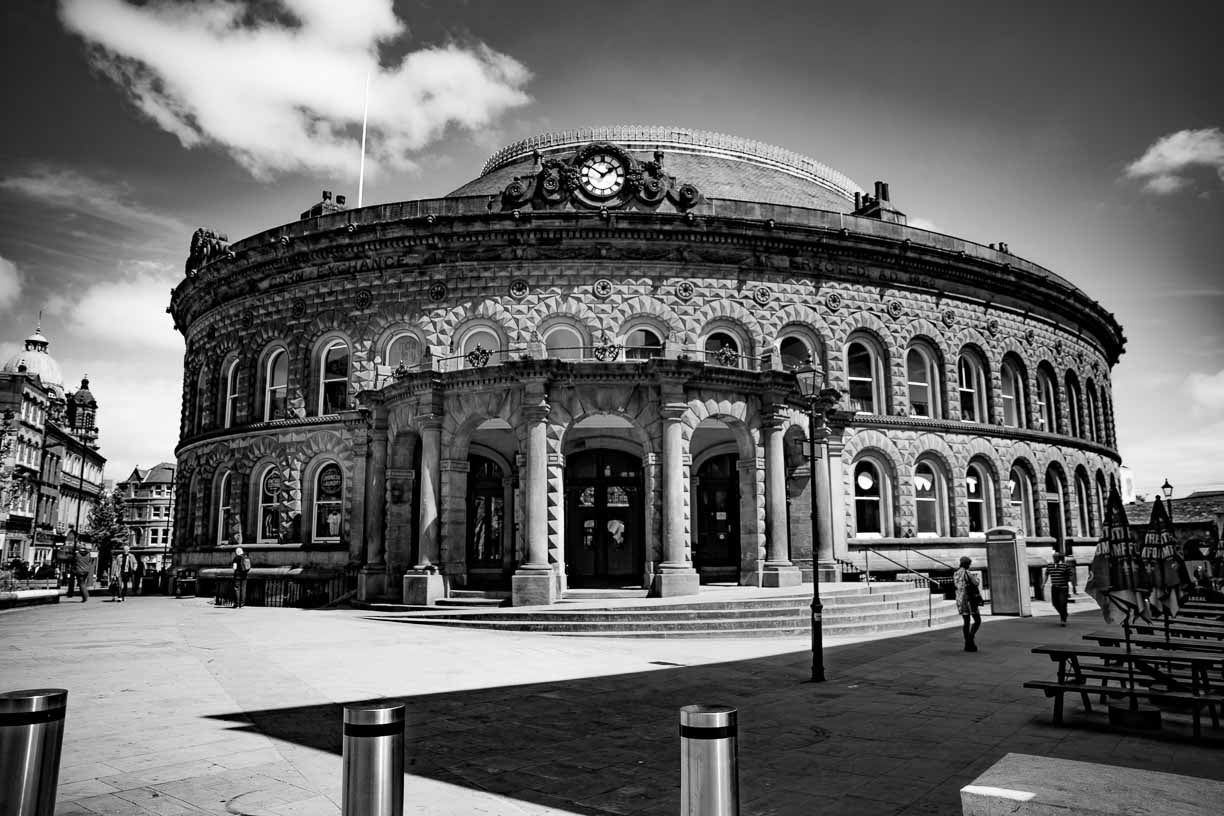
177	707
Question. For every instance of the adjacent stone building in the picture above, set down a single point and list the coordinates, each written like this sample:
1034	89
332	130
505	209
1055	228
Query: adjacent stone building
577	370
148	512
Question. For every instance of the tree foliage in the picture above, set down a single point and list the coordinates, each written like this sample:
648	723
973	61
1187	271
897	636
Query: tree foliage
105	526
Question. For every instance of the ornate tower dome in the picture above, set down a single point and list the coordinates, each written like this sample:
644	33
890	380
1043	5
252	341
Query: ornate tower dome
82	414
36	360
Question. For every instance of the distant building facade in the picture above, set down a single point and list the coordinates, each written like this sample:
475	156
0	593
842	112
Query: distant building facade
578	370
52	470
148	511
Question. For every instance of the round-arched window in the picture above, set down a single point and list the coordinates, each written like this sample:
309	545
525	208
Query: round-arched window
403	350
329	490
642	344
794	352
563	343
722	349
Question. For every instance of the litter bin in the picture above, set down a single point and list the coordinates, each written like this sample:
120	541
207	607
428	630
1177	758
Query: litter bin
31	735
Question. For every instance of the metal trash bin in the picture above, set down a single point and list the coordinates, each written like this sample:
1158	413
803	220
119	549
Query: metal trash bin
373	752
31	736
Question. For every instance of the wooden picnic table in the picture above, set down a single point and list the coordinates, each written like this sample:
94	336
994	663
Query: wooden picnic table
1190	683
1190	627
1156	640
1200	614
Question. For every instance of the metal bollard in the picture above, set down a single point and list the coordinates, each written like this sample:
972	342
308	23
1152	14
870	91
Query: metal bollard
709	761
31	735
373	760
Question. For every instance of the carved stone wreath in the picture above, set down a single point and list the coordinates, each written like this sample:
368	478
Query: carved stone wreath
479	357
602	288
519	288
364	299
298	307
685	290
895	308
949	317
833	302
437	291
761	295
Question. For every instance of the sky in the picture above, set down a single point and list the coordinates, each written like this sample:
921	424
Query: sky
1088	136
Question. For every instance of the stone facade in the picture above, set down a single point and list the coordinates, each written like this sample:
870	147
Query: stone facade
545	335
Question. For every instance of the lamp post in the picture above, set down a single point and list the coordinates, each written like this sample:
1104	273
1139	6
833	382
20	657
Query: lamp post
820	400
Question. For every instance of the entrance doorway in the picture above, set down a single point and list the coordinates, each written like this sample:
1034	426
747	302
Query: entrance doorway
603	506
486	523
717	555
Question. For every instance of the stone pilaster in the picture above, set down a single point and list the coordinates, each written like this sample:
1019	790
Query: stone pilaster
423	584
534	582
778	570
675	574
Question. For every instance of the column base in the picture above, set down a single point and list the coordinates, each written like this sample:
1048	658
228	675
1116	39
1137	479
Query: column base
828	572
783	574
533	587
371	582
670	584
423	588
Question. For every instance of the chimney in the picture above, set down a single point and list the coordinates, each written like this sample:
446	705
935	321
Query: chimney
879	191
327	195
884	195
340	200
858	201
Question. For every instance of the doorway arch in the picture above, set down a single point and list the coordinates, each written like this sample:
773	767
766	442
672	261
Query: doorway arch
717	554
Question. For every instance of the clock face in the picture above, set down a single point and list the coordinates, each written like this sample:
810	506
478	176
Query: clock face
602	175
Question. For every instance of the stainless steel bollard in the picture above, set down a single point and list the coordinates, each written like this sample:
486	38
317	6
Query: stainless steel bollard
709	761
31	735
373	760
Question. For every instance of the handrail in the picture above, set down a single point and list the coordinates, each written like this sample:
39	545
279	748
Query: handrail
933	558
909	571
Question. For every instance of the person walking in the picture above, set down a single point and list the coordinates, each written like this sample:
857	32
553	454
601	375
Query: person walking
80	565
138	576
242	566
1061	576
968	601
123	567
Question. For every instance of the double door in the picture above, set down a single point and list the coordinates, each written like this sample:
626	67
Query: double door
603	544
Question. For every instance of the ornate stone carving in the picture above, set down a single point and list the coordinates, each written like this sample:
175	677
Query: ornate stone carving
298	307
602	288
992	326
833	301
478	357
949	317
519	288
761	295
895	309
606	350
206	245
1030	336
364	299
437	291
685	290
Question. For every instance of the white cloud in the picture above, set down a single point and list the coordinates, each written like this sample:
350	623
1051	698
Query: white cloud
924	224
129	312
68	189
1164	166
10	283
1206	393
283	97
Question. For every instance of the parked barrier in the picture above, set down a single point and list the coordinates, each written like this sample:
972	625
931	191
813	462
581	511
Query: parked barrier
31	736
709	761
373	754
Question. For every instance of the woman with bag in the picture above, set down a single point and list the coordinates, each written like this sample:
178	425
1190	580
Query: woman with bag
968	601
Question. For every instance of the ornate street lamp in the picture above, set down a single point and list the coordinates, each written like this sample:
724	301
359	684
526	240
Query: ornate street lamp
820	400
1167	490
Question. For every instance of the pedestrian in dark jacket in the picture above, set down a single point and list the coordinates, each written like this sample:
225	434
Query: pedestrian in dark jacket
242	566
81	565
1061	576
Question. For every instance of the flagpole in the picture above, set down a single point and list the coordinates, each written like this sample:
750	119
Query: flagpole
365	115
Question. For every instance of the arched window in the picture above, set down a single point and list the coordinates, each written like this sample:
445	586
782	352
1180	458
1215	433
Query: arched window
971	387
865	378
930	500
231	393
1047	402
403	350
1073	405
1090	402
225	511
1055	519
563	343
871	500
270	521
333	378
1101	493
276	385
328	495
1020	489
478	341
795	352
922	381
1083	498
722	349
201	401
642	344
1011	379
979	489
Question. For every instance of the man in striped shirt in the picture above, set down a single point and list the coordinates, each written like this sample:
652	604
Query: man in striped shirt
1061	575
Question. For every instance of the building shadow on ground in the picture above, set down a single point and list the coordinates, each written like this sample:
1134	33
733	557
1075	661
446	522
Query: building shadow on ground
901	725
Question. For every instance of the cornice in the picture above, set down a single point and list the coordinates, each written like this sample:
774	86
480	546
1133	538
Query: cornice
327	422
960	428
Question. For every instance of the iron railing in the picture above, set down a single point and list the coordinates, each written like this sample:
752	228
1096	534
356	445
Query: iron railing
930	583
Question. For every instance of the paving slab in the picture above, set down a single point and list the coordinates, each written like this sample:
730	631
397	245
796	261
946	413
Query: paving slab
179	707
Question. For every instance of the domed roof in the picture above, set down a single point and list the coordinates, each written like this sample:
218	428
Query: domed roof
37	361
84	396
718	165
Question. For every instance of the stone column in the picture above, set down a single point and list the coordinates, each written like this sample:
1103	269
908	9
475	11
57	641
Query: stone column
534	582
778	571
827	500
423	584
372	580
675	574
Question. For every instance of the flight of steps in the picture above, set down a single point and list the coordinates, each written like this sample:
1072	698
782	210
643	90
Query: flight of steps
849	609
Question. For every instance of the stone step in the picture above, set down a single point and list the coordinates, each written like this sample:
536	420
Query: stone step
473	602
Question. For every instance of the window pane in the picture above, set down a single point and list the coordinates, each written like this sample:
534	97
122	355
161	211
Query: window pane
642	344
563	344
404	350
795	352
